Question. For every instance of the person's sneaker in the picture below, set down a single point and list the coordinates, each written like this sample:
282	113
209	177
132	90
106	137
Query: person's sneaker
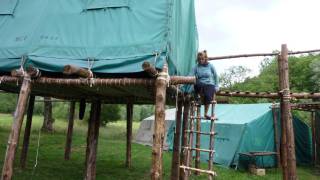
207	117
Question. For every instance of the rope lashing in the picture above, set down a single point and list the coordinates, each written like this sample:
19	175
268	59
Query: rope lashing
91	78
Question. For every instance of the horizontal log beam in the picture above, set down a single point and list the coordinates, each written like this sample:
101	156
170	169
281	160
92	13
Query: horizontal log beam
267	95
260	54
174	80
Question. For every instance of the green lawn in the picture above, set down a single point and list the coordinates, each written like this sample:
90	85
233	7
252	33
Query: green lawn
110	158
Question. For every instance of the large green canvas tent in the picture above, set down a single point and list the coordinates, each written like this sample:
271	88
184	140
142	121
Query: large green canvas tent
245	128
114	36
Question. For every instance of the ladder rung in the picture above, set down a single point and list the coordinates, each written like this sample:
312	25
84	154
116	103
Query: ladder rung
199	132
199	170
197	149
204	118
197	104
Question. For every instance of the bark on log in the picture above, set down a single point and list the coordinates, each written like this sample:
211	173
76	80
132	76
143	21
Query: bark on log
74	70
92	140
148	68
276	134
289	163
183	157
70	130
27	131
175	163
159	126
129	134
13	141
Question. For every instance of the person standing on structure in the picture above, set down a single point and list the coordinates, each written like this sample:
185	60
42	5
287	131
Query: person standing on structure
207	81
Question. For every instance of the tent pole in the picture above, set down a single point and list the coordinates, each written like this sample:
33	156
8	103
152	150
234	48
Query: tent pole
92	140
27	130
276	139
159	125
16	127
289	159
70	131
129	133
175	163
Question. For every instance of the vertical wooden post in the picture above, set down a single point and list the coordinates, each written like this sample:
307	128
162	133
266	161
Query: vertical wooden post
92	140
27	130
183	157
47	119
313	138
289	165
67	149
175	163
129	133
317	137
198	140
13	141
276	139
159	125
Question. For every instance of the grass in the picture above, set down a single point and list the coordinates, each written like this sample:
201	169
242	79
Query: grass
110	158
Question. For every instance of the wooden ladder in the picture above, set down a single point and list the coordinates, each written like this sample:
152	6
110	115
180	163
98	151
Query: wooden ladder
195	115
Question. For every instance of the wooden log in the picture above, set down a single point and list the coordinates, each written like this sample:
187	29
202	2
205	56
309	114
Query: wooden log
159	125
67	149
289	171
16	127
149	69
129	134
175	163
276	134
183	156
261	54
174	80
92	140
74	70
198	140
27	130
313	118
17	73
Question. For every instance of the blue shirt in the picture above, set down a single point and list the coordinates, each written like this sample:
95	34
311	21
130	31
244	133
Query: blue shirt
206	74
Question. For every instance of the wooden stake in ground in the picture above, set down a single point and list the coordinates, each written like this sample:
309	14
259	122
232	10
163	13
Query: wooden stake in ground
13	141
198	139
129	133
183	156
289	159
175	163
159	124
92	140
27	130
70	131
276	134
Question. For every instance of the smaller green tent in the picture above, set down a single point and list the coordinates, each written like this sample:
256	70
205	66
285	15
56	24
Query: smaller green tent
246	128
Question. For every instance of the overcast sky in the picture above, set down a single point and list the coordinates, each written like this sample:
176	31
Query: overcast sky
228	27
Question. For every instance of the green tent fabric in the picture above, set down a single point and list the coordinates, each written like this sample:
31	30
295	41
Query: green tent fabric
115	36
248	127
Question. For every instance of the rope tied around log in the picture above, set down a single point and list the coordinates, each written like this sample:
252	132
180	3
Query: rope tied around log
285	94
91	78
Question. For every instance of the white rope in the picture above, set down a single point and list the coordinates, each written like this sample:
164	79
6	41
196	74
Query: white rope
177	98
90	65
37	155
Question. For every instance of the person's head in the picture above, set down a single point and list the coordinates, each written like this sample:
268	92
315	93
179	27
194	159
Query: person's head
202	57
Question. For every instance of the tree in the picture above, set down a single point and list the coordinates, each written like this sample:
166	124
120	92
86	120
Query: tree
315	67
234	75
110	113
